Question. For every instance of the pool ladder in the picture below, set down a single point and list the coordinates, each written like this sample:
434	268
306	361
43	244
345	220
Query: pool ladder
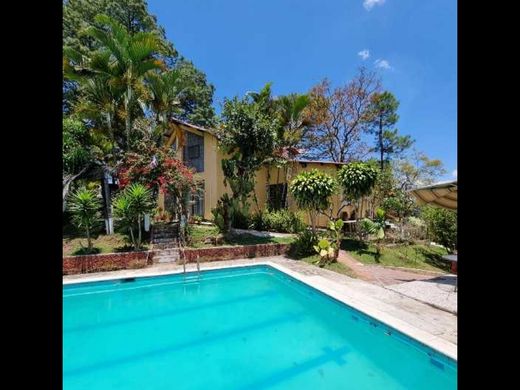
188	279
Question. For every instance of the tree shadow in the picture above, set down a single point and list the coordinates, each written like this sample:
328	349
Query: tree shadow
432	258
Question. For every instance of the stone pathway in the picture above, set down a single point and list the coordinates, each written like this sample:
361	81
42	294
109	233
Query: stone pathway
436	289
382	275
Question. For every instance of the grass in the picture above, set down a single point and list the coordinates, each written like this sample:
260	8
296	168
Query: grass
336	267
201	232
102	244
417	256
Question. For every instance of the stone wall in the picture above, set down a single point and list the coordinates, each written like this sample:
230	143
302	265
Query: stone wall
132	260
234	252
105	262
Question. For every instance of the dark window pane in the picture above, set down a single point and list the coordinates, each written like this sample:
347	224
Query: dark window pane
277	196
193	153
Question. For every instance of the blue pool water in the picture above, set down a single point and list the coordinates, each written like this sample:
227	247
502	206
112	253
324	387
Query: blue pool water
241	328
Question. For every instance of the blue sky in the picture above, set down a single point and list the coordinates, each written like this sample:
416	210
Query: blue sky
242	44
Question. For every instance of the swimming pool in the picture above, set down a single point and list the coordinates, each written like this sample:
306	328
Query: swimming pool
238	328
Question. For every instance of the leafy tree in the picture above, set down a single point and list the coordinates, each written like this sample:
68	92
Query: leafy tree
401	205
195	104
383	116
132	14
196	101
339	117
78	151
84	206
247	135
125	59
442	225
312	191
416	170
131	205
78	15
357	179
158	170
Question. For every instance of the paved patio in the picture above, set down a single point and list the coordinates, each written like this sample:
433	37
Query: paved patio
428	324
433	288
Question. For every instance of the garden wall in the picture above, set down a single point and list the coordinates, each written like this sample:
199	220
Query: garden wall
234	252
132	260
105	262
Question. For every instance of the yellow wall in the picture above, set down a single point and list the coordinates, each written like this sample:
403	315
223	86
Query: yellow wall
277	176
213	177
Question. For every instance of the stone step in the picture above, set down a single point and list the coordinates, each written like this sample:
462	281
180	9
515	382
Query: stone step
161	235
166	252
160	240
167	245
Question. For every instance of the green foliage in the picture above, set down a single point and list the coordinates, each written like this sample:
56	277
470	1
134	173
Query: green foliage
130	206
442	225
400	204
383	116
417	169
283	221
312	190
304	244
224	213
357	179
247	135
77	149
84	206
326	251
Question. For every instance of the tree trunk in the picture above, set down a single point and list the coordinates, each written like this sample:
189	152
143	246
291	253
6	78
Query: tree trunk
89	241
381	142
108	206
139	232
132	236
128	119
67	181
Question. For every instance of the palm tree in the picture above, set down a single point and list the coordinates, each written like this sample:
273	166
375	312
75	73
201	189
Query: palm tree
165	88
84	206
291	109
124	60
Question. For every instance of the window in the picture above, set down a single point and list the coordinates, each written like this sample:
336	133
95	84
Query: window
193	153
197	201
277	196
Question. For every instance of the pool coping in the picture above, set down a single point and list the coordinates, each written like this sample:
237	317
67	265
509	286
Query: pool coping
326	286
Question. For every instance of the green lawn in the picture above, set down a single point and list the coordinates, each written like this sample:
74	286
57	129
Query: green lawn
201	232
410	256
336	267
103	244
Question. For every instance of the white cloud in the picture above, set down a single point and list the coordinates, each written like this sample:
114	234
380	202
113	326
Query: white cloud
384	64
364	54
369	4
454	173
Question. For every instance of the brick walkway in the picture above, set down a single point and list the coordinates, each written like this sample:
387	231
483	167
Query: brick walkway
381	275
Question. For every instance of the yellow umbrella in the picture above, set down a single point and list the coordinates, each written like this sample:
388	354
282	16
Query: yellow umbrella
440	194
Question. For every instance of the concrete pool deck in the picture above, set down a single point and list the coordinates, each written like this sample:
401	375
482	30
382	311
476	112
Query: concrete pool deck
429	325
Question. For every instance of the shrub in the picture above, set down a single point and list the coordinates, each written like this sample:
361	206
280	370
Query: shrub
84	206
312	191
442	226
357	179
130	206
304	244
283	221
229	213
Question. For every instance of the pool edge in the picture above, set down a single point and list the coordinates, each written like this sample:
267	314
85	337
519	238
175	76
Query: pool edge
436	343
